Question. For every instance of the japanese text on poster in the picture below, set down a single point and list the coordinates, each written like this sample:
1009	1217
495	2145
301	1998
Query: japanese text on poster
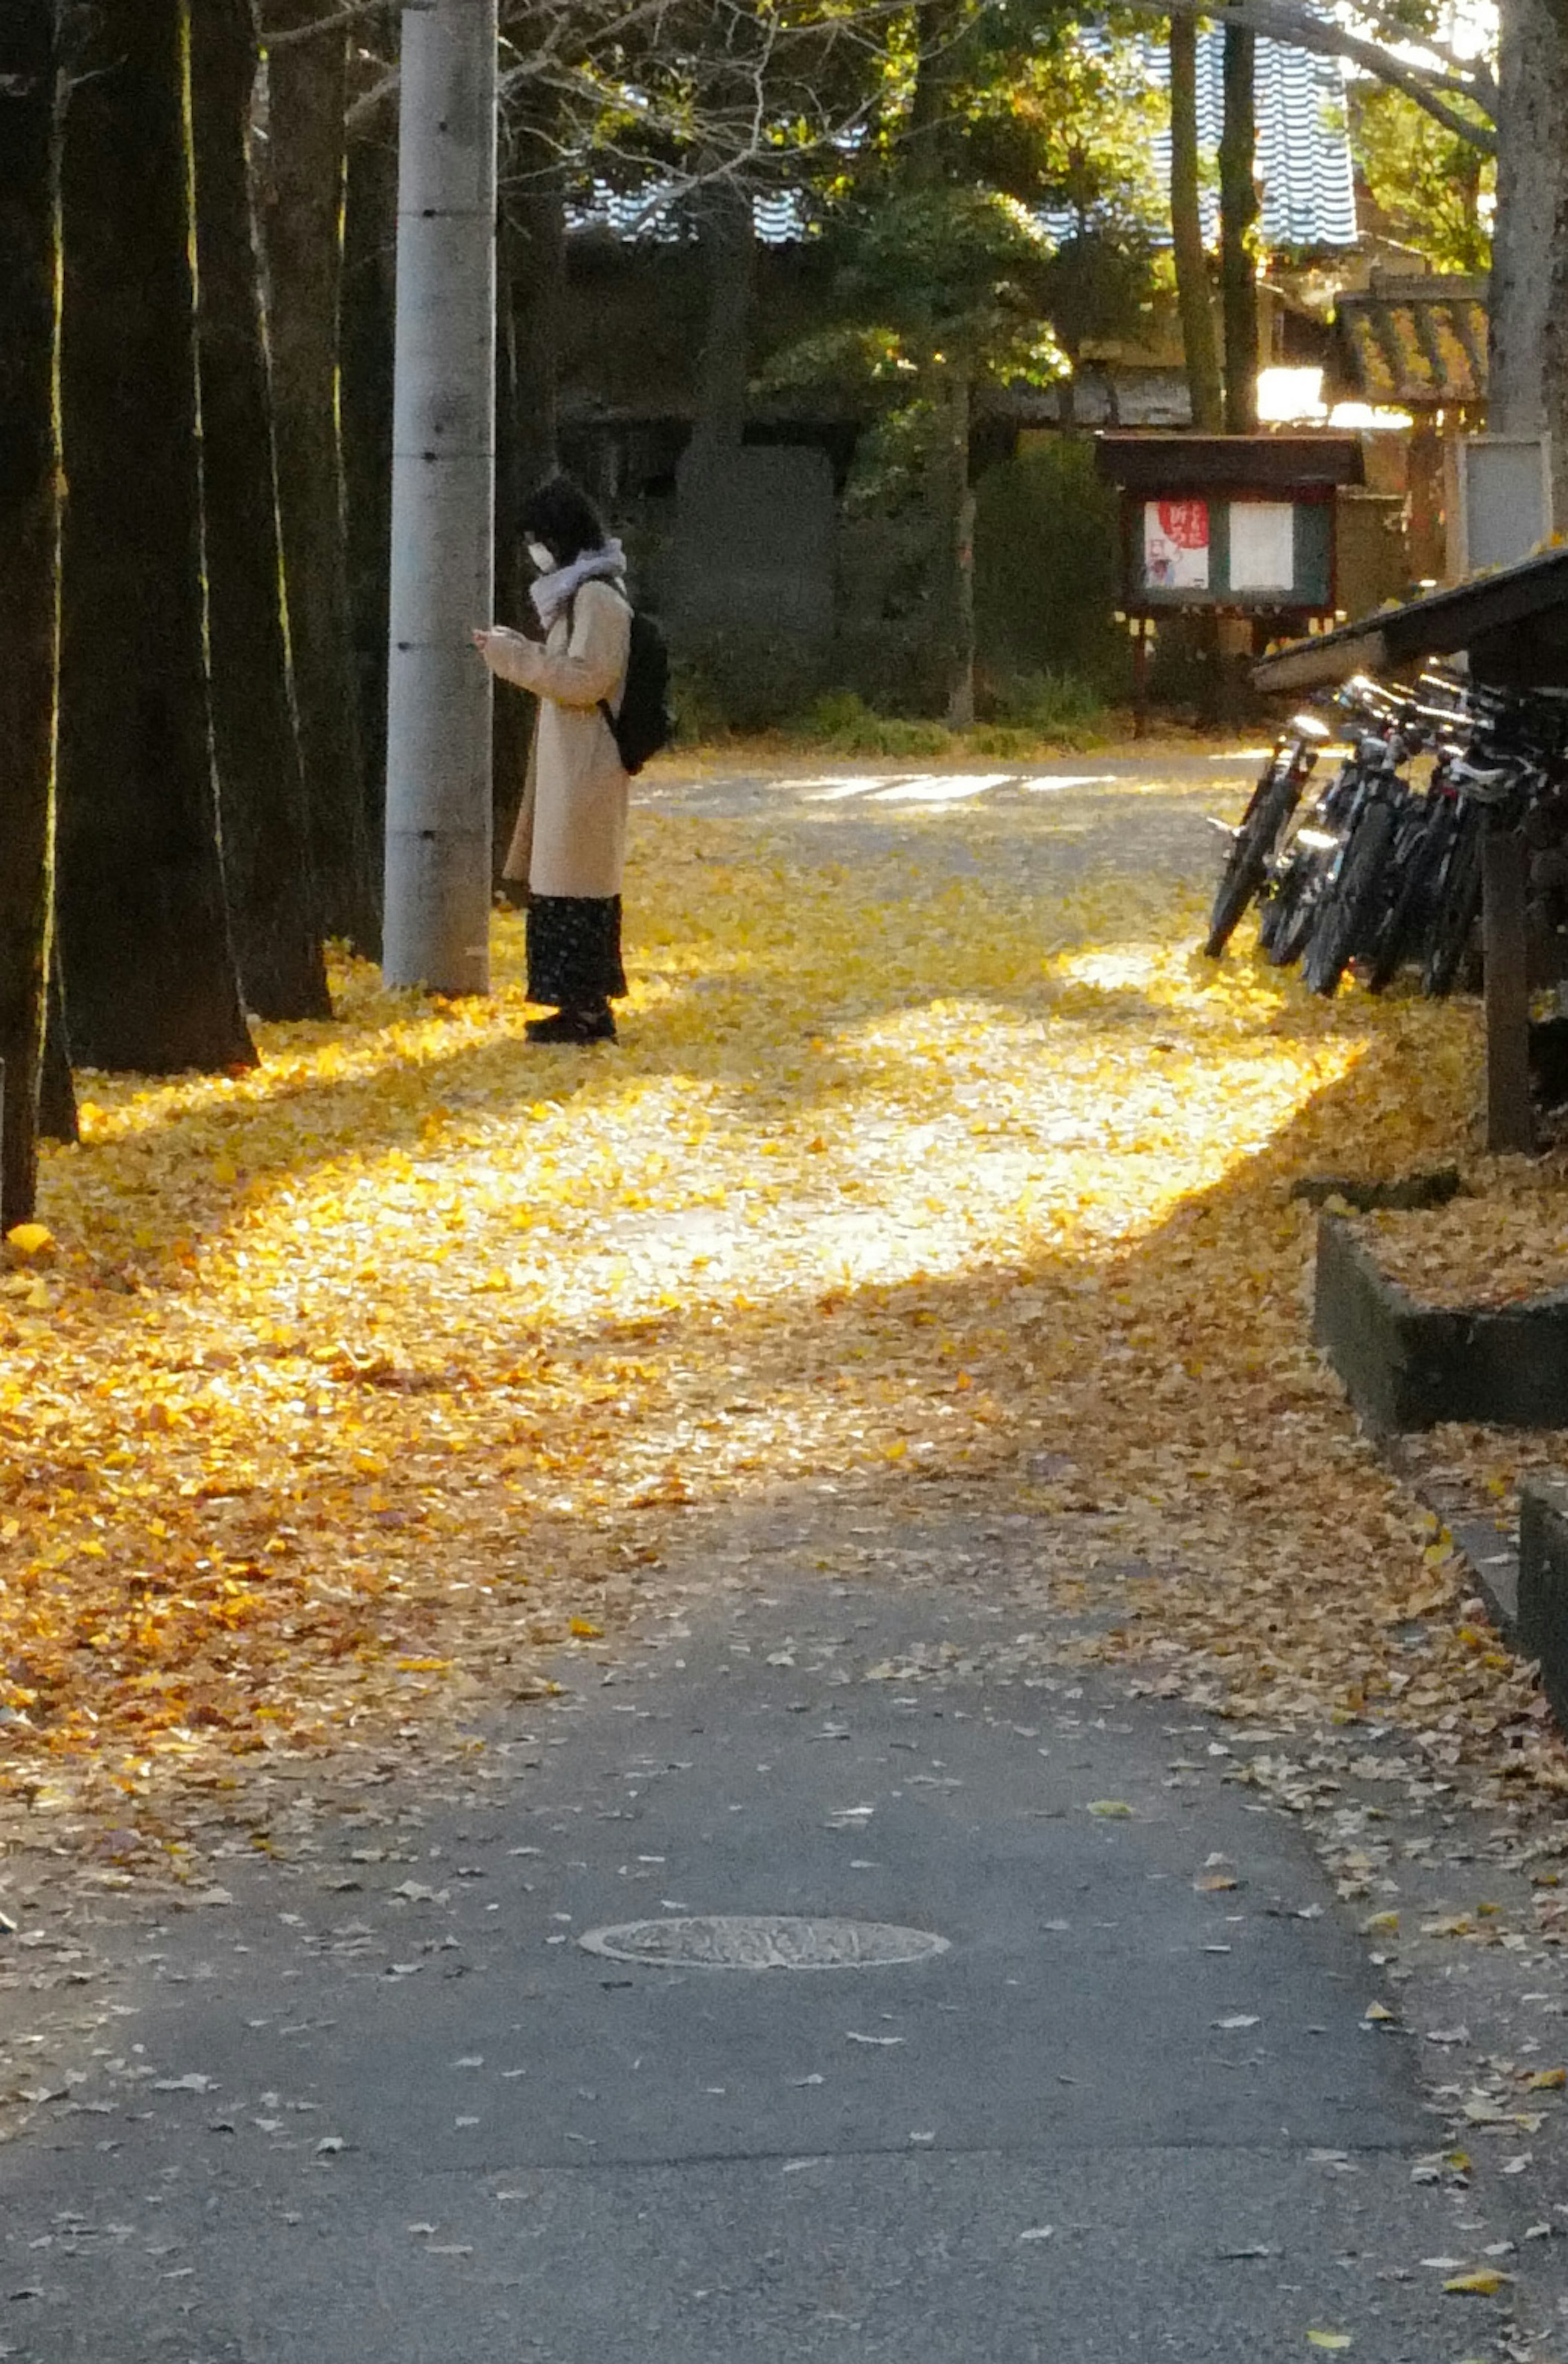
1175	545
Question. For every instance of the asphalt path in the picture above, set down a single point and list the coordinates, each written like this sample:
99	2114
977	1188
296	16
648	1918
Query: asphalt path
385	2103
966	821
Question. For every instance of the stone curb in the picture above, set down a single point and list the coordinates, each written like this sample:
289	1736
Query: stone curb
1492	1560
1409	1366
1405	1367
1542	1629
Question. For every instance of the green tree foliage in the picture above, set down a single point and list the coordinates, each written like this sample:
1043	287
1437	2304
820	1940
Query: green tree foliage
954	278
944	276
1058	121
1432	188
1068	126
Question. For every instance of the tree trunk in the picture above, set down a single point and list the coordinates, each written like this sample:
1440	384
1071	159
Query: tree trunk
1193	296
1528	371
1067	389
961	697
510	718
149	965
370	269
302	222
1239	210
727	243
534	287
938	30
443	505
266	839
56	1093
29	573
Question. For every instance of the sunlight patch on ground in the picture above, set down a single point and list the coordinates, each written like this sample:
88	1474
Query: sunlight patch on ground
835	789
954	789
395	1357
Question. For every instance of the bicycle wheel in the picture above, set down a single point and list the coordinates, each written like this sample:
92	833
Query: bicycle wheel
1459	905
1400	937
1247	864
1288	914
1343	919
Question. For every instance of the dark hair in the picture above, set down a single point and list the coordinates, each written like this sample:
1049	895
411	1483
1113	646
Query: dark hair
563	517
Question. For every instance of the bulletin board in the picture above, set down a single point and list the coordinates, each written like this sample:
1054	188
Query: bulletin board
1228	550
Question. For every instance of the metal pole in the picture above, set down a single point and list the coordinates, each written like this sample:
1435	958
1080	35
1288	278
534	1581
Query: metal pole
443	488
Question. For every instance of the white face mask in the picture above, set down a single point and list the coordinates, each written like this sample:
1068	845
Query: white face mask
542	558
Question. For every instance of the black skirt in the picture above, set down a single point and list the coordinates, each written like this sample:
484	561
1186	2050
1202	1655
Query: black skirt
574	959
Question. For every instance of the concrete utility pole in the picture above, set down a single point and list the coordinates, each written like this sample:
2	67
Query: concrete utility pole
443	479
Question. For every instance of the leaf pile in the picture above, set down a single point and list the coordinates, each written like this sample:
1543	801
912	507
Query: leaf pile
1504	1241
377	1376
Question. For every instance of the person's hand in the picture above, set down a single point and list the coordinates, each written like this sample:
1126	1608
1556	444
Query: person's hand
481	637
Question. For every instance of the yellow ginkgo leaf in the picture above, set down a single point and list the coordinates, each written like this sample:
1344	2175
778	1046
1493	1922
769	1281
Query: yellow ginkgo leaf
1110	1809
1485	2283
29	1239
586	1631
1329	2339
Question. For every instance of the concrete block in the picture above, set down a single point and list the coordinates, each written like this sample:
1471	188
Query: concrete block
1408	1366
1542	1628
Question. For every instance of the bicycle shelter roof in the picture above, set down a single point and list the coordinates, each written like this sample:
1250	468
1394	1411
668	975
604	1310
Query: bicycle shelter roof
1512	621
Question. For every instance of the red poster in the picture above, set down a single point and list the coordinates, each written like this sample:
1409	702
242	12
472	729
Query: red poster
1175	545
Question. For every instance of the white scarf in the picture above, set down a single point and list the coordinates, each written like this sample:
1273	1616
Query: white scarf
552	591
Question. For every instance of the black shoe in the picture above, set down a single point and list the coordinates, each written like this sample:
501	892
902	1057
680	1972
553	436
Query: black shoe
573	1026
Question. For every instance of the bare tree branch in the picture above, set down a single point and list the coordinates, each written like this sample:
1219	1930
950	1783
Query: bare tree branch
355	12
1298	28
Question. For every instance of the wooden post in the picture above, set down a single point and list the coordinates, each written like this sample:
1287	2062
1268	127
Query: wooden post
1510	1120
1140	677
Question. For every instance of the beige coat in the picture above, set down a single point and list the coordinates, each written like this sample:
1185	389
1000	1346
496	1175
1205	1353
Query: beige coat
571	832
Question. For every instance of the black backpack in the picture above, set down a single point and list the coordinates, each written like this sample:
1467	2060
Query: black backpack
645	722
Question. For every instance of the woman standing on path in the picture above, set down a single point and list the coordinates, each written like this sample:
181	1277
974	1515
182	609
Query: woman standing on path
569	846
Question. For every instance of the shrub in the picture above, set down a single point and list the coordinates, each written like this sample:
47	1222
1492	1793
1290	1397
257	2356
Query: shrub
701	718
841	720
1047	569
1053	705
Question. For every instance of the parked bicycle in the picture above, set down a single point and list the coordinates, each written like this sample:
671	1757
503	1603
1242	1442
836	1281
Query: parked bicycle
1380	868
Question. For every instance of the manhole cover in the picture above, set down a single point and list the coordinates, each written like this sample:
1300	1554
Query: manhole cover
763	1941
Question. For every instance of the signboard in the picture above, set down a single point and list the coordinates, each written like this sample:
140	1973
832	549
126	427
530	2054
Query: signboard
1175	545
1498	500
1259	554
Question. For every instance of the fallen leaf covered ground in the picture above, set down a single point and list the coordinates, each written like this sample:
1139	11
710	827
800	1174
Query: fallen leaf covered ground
933	1155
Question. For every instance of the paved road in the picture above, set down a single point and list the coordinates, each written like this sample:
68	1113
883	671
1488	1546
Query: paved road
968	819
375	2104
1124	2113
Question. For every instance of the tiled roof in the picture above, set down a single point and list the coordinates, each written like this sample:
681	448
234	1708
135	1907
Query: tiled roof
780	214
1307	179
1303	145
1419	342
